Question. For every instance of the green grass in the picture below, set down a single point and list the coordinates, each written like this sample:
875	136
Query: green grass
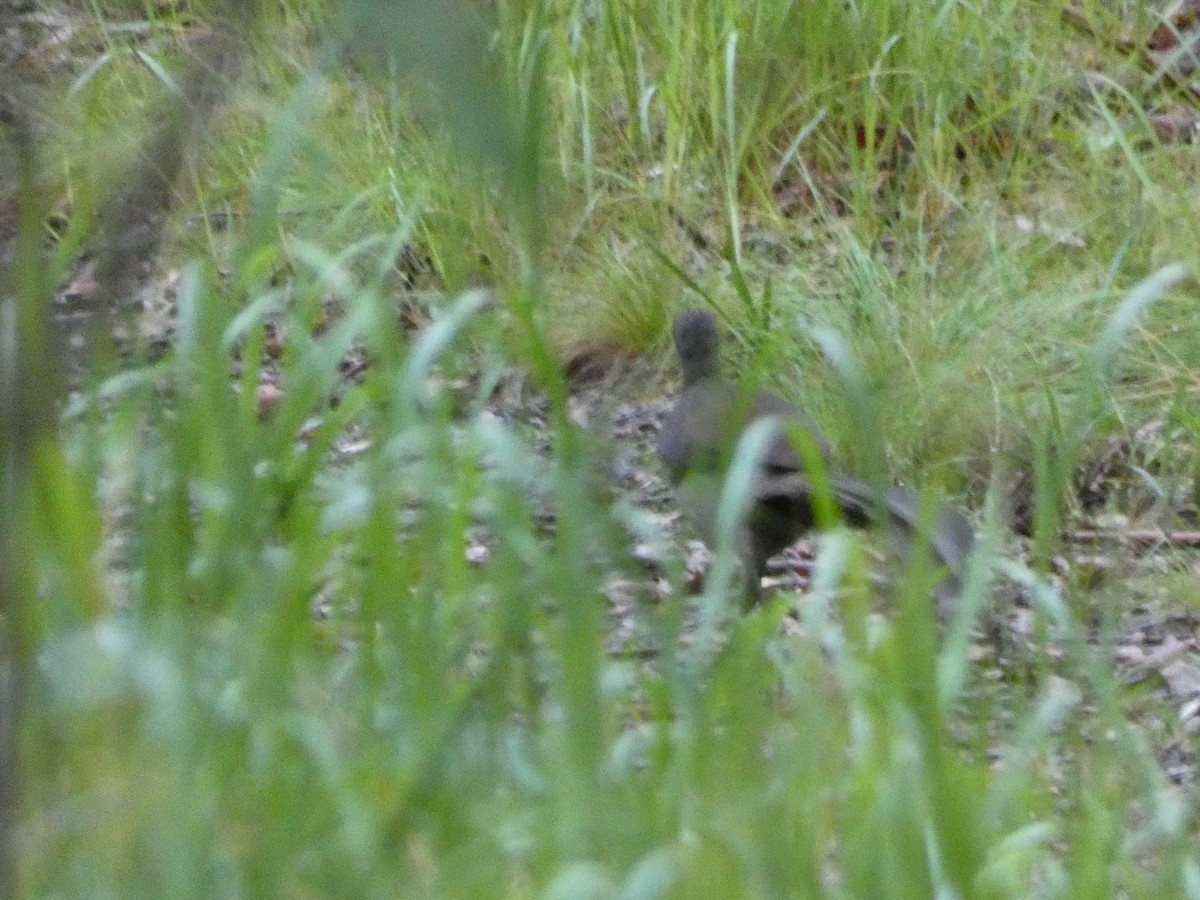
190	725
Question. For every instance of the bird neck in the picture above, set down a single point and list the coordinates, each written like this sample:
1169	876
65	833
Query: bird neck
699	369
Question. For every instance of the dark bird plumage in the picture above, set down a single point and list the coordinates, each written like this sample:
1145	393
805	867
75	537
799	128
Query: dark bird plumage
697	440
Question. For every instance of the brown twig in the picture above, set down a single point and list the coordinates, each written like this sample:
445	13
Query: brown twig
1140	536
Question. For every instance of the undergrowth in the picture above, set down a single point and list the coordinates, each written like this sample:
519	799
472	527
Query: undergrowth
249	655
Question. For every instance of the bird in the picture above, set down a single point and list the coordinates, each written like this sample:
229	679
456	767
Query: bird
696	443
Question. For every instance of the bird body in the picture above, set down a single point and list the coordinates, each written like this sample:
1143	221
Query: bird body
696	443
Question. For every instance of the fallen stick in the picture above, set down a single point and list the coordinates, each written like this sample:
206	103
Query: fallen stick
1139	536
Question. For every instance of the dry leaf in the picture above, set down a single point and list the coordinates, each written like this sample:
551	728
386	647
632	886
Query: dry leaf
1182	678
1176	126
1179	21
266	398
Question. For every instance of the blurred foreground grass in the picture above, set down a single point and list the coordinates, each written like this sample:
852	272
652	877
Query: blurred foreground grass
239	663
